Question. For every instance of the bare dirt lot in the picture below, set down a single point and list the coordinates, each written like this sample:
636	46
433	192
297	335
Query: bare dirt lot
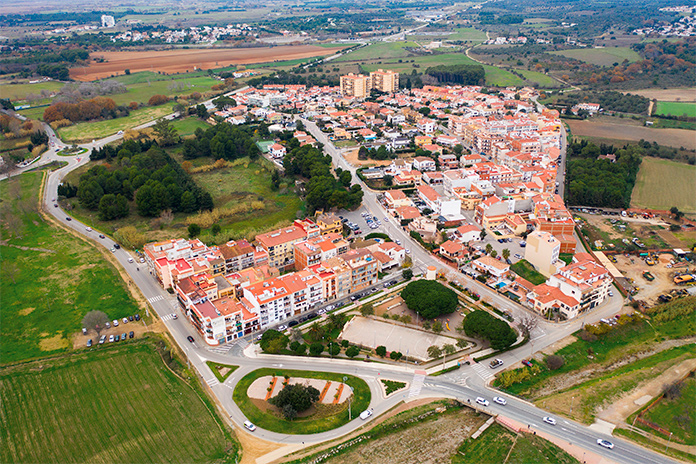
684	95
668	137
177	61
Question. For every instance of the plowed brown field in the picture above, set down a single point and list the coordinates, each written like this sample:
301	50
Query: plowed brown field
180	60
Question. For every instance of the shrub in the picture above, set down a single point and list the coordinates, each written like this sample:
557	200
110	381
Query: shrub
316	349
352	351
273	341
395	355
381	351
157	100
554	362
295	398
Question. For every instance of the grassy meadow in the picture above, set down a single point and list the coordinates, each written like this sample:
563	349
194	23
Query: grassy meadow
188	126
50	279
677	415
113	404
20	91
601	56
84	132
651	190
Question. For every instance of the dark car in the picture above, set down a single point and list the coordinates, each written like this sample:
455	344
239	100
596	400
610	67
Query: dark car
311	315
117	338
117	246
292	323
68	218
131	334
124	336
55	205
137	317
89	342
303	318
101	236
130	318
190	338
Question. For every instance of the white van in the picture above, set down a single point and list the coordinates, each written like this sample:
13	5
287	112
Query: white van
365	414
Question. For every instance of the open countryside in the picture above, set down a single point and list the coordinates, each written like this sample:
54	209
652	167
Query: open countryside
183	60
662	184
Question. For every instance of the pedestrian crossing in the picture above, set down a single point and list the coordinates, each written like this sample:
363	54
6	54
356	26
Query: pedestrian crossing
416	384
222	349
168	317
155	298
212	382
484	372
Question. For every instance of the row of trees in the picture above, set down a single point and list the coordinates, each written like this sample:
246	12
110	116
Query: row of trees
464	74
222	141
322	190
149	177
609	100
86	110
600	182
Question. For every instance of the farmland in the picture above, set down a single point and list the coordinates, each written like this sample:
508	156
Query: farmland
601	56
188	126
87	131
668	94
651	190
20	91
142	91
381	50
187	60
50	279
676	109
111	404
668	137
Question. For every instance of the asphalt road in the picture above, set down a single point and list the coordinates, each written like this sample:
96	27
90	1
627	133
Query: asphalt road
464	384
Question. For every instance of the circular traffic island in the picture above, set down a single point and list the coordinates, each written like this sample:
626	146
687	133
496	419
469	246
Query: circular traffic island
300	402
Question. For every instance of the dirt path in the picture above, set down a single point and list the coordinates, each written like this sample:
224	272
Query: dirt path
254	447
621	409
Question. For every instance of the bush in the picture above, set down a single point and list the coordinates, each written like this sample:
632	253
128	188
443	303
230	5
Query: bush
381	351
301	349
352	351
429	298
554	362
316	349
395	355
295	398
273	341
157	100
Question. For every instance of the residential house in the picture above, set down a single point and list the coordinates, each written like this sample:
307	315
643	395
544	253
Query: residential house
492	266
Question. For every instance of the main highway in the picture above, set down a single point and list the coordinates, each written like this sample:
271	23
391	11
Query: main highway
464	384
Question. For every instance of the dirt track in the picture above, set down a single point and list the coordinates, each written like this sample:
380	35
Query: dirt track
669	137
180	60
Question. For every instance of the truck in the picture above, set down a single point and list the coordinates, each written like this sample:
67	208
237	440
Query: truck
684	279
496	363
648	276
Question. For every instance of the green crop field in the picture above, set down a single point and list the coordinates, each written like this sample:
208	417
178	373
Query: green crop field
141	92
107	405
601	56
50	279
676	109
20	91
468	34
544	80
651	190
379	50
188	126
88	131
498	444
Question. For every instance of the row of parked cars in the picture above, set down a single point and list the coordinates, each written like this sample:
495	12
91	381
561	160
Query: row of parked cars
113	338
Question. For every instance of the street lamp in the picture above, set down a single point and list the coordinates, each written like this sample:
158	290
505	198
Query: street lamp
572	400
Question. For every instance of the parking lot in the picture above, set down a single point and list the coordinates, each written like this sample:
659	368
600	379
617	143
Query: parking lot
410	342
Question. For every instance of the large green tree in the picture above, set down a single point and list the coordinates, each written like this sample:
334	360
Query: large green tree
481	324
295	398
429	298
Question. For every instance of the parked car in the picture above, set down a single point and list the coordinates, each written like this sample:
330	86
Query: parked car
113	250
499	400
108	324
282	328
55	205
89	342
131	334
84	331
292	323
102	339
549	420
125	320
605	443
496	363
137	317
115	323
130	318
249	426
365	414
111	338
482	401
527	363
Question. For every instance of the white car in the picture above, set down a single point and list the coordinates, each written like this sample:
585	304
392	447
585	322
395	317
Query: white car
88	229
605	443
408	252
365	414
398	242
282	328
125	320
249	426
499	400
549	420
482	401
115	322
174	316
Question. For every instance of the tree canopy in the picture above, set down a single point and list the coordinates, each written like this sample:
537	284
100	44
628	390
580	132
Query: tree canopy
295	398
481	324
429	298
273	341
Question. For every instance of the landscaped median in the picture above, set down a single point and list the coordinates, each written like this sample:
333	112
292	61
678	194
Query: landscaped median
321	419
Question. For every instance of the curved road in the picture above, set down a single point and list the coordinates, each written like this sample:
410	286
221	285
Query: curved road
467	383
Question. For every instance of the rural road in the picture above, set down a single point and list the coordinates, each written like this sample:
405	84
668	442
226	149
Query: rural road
464	384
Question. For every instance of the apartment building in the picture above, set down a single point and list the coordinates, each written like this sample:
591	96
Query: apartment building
355	85
384	81
551	215
237	255
363	268
313	251
329	223
542	251
279	243
168	261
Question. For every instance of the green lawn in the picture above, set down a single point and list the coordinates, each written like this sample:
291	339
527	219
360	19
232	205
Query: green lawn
494	445
602	56
468	34
87	131
651	190
676	109
142	91
218	369
361	401
20	91
544	80
677	415
48	286
524	269
188	126
33	113
111	404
